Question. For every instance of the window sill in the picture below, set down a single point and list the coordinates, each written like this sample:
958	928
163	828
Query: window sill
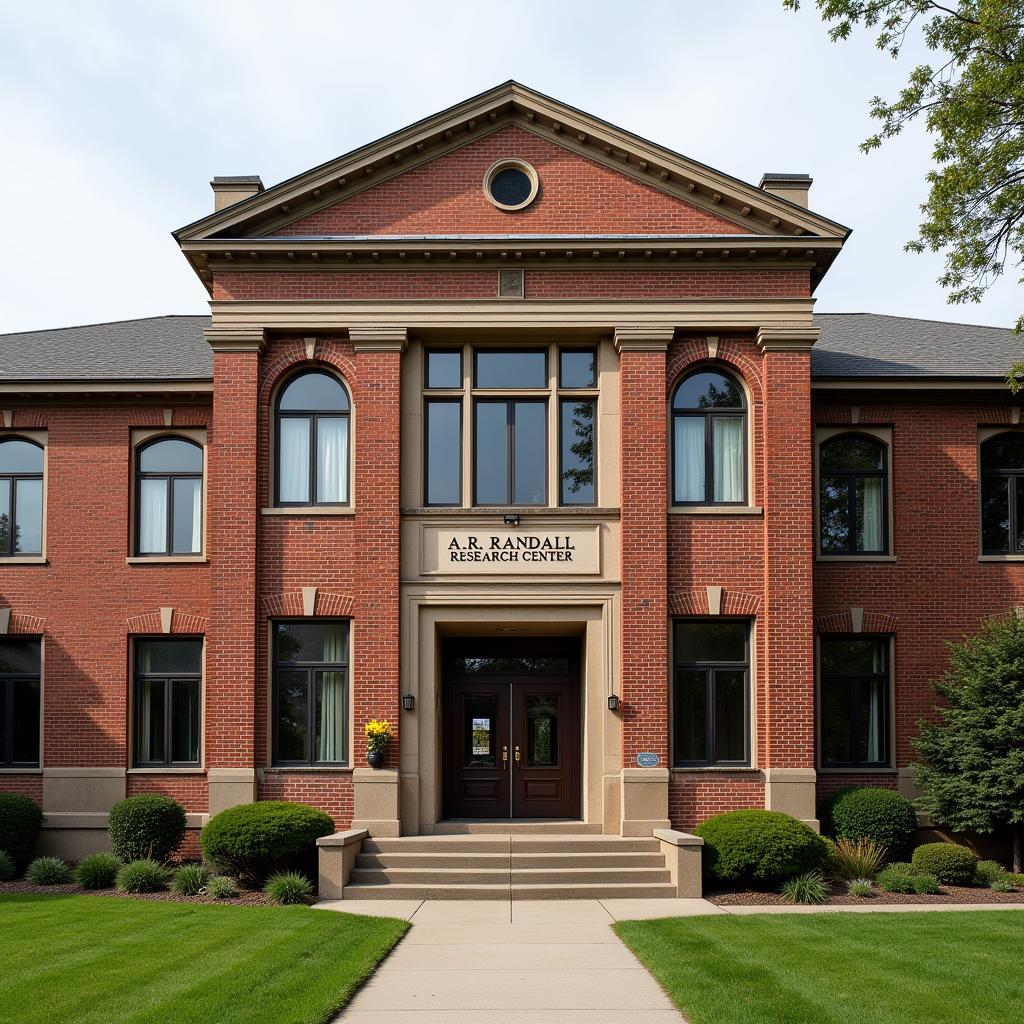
715	510
166	771
166	560
703	770
310	510
855	558
858	771
21	771
23	560
281	769
1001	558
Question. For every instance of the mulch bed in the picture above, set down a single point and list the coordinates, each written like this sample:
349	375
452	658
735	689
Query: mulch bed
245	898
840	897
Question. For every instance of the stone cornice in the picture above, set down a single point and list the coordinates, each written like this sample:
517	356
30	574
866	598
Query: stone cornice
786	339
236	340
644	338
368	338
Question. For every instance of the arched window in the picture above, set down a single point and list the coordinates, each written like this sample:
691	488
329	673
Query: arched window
169	503
1002	494
853	495
312	441
709	430
21	497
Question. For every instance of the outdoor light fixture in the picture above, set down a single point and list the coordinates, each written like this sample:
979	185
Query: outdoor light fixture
613	702
408	701
512	519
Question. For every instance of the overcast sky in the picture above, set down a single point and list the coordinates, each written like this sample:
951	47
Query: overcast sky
116	115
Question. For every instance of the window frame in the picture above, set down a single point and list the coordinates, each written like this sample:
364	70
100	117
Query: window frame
169	479
510	402
723	412
563	400
1009	476
888	704
310	667
884	474
428	401
8	551
314	416
710	669
7	681
168	678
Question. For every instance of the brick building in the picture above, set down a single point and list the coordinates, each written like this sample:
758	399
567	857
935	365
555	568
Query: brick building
519	431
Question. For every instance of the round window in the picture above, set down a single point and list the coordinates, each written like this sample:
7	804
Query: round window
511	184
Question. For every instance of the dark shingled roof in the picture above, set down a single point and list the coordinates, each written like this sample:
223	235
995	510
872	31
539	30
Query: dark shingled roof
165	348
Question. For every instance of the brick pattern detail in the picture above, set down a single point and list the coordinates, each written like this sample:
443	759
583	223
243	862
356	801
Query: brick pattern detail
181	622
695	602
842	622
694	797
290	605
445	195
33	625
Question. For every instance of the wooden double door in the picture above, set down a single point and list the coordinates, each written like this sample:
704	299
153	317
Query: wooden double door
511	730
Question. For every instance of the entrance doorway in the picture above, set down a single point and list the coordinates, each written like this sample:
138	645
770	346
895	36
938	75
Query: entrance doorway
511	729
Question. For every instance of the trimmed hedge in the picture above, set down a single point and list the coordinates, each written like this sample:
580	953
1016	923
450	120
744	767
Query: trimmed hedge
252	841
869	812
953	865
21	820
759	848
146	826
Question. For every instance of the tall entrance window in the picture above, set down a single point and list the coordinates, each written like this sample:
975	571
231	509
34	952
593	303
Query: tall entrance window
709	429
20	703
311	693
168	702
313	441
853	495
854	702
711	692
21	497
169	498
1002	494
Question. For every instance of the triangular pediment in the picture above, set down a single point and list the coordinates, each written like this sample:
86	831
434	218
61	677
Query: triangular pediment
398	185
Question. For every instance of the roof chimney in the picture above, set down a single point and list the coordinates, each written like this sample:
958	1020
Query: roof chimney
234	188
793	187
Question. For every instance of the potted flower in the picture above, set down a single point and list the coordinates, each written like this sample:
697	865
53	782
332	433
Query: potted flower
378	736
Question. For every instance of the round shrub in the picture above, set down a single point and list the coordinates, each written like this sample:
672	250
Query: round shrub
252	841
144	875
97	871
190	879
20	822
953	865
895	878
146	826
289	887
220	887
759	848
48	871
8	869
869	812
926	885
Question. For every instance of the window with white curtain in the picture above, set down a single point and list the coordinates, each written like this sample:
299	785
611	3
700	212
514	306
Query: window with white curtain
709	440
853	707
853	495
310	698
313	441
169	498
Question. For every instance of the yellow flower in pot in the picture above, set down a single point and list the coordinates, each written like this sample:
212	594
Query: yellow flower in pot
378	736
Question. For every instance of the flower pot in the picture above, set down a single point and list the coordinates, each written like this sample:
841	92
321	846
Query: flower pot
375	758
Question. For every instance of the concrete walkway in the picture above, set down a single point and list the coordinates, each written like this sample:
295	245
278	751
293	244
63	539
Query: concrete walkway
497	962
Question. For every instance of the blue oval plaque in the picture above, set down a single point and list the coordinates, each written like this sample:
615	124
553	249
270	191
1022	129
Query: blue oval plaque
648	760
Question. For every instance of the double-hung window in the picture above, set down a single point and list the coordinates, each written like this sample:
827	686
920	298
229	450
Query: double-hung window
1002	494
854	702
20	702
169	519
310	712
21	497
168	702
711	692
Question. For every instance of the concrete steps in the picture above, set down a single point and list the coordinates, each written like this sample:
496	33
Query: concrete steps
524	866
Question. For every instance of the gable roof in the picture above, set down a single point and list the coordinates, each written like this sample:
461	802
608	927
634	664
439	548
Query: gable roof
851	347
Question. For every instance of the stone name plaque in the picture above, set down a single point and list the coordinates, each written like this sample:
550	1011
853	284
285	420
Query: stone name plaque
516	551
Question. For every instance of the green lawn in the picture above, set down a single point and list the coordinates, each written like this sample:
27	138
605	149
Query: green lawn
879	968
86	959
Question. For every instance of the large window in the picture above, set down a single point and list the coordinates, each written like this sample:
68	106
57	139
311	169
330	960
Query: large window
514	405
854	702
709	429
311	693
168	702
1002	494
20	709
853	495
21	497
170	498
711	692
313	441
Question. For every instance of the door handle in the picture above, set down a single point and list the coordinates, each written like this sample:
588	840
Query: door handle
517	755
504	758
